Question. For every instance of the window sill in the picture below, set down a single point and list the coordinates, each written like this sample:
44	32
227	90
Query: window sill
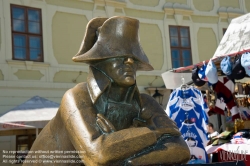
28	64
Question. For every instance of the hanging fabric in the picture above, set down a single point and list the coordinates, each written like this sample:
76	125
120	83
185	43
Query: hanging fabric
189	100
188	109
196	141
220	104
224	94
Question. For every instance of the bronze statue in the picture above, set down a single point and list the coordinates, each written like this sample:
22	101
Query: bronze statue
106	119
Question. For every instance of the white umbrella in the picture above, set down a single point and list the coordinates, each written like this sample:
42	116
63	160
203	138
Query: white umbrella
34	113
236	39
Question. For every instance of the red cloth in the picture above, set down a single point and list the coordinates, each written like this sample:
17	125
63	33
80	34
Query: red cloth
224	156
224	95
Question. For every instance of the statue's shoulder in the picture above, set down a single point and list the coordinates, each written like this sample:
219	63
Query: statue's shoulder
76	98
78	88
147	98
81	87
149	104
79	91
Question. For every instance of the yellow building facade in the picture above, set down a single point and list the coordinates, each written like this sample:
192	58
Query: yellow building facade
59	29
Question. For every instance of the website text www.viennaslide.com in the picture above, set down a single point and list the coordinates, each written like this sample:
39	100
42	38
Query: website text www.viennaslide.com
40	156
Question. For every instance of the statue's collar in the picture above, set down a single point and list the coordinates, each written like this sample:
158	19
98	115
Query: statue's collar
98	82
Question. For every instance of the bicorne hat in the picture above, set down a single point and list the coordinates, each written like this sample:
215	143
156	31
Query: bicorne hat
109	38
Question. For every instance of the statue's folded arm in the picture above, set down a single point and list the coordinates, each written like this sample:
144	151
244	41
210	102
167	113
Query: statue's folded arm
79	118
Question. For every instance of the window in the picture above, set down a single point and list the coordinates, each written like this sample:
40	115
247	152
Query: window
23	145
180	46
26	33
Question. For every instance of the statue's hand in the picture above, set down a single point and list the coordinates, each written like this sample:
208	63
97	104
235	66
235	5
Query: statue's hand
104	124
168	150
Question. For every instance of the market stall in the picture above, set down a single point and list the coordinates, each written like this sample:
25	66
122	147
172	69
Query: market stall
231	152
224	79
32	114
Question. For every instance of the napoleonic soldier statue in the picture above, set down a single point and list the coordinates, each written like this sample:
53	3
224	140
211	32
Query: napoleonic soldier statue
106	119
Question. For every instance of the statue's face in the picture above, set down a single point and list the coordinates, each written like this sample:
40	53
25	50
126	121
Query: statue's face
121	70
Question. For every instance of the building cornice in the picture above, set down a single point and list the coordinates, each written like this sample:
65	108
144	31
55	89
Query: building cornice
111	3
29	64
176	8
